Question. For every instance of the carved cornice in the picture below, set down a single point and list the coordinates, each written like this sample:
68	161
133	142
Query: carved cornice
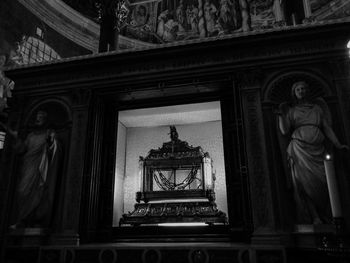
250	78
208	58
81	97
292	31
340	68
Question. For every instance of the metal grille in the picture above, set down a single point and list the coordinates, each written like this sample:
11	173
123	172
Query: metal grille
33	50
2	139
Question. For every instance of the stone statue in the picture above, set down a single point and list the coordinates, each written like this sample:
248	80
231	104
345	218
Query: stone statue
309	123
36	174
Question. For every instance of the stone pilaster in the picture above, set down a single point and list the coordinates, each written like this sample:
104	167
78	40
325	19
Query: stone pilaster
259	175
7	180
70	196
341	77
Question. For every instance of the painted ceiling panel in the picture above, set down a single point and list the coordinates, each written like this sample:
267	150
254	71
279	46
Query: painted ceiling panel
152	23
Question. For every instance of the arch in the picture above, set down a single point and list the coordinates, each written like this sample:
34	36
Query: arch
56	108
278	87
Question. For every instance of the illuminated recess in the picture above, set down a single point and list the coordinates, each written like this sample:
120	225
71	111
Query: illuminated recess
183	224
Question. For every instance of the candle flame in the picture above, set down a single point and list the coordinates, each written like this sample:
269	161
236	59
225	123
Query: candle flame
328	156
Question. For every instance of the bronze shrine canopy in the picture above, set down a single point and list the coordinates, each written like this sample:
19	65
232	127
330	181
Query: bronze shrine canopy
176	186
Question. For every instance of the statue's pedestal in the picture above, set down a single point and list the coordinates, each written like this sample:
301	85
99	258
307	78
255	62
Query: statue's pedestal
321	228
310	236
67	238
28	237
40	236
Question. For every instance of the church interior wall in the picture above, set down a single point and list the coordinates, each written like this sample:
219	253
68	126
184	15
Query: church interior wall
270	189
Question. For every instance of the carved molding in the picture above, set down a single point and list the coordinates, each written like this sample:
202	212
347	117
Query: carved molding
80	97
225	57
250	78
340	68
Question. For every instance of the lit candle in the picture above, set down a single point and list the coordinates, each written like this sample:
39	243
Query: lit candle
294	20
208	173
141	174
332	187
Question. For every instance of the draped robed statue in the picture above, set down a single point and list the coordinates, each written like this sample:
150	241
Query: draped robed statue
309	124
36	174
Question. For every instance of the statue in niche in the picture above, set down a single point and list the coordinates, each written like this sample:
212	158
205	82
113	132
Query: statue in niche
40	154
309	123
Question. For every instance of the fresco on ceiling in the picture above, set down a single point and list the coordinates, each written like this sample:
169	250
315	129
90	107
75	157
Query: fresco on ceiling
262	14
25	39
175	20
330	9
318	4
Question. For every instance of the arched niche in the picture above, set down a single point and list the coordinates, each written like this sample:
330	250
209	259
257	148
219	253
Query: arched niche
58	112
277	90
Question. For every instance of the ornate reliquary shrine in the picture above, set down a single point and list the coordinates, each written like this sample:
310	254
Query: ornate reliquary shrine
176	186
